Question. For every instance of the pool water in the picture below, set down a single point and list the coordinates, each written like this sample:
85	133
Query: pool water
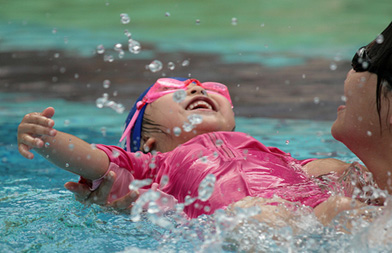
38	215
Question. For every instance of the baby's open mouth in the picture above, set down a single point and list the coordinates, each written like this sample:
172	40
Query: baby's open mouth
200	103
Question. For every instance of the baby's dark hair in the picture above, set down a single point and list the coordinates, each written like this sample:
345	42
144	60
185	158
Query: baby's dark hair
149	127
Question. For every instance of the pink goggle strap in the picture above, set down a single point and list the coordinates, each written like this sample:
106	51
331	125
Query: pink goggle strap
127	131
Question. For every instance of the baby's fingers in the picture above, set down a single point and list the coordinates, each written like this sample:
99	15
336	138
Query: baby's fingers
30	141
24	150
38	119
36	129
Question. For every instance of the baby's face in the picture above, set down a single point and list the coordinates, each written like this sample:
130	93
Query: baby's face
214	110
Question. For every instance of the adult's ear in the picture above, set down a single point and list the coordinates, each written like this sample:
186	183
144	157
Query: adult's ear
149	144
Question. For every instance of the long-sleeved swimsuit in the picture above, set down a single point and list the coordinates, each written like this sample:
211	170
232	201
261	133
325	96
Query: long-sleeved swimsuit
241	166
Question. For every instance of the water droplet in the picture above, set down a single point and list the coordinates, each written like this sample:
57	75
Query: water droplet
108	58
303	76
365	65
177	131
54	30
195	119
66	122
115	153
333	66
343	98
155	66
171	65
136	184
62	70
204	159
164	180
56	55
134	46
197	21
187	127
152	165
125	18
100	102
127	33
234	21
103	131
71	146
167	14
287	142
118	47
76	76
188	200
262	25
380	39
359	118
119	108
88	157
206	187
106	84
316	100
100	49
207	209
185	63
179	96
67	165
47	144
369	133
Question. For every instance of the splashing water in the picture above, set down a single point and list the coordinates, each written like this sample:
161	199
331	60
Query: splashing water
177	131
179	96
195	119
100	49
125	18
185	63
380	39
105	102
137	184
206	187
106	84
187	127
155	66
134	46
171	65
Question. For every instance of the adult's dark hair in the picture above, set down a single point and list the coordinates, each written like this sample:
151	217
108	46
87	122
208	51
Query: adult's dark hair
379	53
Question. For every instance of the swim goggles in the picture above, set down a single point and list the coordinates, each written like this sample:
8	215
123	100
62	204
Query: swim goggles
164	86
361	61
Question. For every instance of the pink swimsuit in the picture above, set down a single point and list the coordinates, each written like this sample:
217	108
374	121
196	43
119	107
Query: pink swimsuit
242	167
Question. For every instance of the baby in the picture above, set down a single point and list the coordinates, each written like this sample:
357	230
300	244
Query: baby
185	129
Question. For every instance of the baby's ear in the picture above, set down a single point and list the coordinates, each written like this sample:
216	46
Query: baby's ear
149	144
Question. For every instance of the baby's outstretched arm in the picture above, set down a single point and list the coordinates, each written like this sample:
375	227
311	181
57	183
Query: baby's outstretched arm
62	149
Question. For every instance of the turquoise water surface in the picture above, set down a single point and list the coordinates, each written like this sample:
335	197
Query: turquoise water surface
38	215
285	29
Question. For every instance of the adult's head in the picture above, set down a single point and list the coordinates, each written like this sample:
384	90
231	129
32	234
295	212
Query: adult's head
364	124
174	110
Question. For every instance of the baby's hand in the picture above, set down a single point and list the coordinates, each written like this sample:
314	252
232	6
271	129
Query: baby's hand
33	127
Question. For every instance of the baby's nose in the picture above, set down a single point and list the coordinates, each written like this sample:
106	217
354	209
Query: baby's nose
194	89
